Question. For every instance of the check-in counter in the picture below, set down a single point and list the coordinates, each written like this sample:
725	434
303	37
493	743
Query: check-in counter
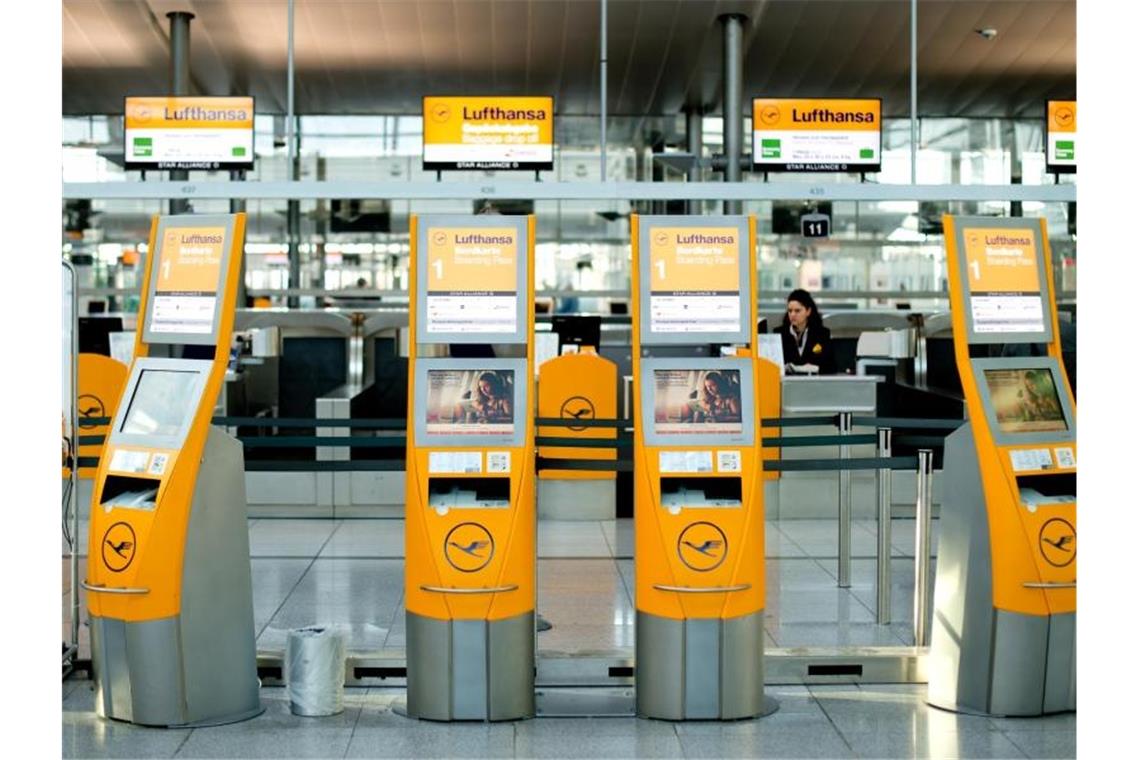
816	494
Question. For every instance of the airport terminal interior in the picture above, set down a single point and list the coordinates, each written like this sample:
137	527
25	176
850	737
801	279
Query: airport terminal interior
569	378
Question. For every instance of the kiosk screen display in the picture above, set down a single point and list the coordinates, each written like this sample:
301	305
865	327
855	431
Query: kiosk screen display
161	401
1004	281
1025	400
470	402
697	401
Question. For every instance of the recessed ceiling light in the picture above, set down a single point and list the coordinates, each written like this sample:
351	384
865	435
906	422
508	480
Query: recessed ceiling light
987	33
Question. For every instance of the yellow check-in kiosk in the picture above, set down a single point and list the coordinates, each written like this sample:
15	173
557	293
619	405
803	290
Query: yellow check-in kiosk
168	574
698	489
1003	639
470	514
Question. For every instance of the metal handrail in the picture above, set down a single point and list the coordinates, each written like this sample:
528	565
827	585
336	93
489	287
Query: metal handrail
102	589
703	589
454	590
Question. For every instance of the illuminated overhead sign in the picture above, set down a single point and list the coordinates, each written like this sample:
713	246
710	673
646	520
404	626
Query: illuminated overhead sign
488	133
188	133
1061	136
816	135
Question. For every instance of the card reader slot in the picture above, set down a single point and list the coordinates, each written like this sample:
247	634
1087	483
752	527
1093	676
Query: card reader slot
469	493
700	492
1048	488
128	491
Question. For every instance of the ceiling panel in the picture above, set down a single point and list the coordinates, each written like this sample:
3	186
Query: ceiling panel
382	56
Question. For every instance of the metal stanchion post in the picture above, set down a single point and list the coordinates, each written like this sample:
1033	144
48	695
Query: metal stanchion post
922	546
883	555
844	507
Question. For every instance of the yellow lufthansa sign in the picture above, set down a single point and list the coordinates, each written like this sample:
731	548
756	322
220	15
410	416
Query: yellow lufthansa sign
488	133
189	113
817	134
1061	136
188	133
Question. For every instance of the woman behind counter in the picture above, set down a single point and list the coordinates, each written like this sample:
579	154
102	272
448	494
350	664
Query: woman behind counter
807	343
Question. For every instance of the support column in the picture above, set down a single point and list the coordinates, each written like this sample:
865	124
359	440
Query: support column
179	84
292	140
733	80
694	138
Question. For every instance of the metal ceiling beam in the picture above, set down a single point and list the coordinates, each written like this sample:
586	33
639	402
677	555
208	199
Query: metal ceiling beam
582	191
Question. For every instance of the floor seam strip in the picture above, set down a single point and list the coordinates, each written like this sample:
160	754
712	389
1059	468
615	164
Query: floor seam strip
834	727
187	738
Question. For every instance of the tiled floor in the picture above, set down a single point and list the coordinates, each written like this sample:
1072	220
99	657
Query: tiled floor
816	721
350	572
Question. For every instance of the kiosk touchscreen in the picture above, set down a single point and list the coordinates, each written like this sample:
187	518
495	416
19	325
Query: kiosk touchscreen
698	488
168	575
1004	629
470	516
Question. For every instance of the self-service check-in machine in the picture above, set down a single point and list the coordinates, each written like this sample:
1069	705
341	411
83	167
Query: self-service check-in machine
470	516
698	489
168	575
1004	628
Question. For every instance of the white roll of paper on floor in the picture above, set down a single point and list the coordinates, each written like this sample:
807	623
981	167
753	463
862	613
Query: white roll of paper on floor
314	670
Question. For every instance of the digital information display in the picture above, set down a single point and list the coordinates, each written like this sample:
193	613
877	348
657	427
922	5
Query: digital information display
488	133
697	401
816	135
1061	136
188	133
161	401
1004	281
1025	400
188	272
694	275
470	402
472	280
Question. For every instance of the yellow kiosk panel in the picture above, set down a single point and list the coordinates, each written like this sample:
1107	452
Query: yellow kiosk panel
1004	630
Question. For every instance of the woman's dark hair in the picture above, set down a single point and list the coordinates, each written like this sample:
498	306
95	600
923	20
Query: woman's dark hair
803	298
494	381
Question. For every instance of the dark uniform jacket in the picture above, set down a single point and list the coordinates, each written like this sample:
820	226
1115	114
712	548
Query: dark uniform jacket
817	348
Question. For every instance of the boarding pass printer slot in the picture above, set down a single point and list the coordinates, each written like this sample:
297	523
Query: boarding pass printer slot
469	493
695	492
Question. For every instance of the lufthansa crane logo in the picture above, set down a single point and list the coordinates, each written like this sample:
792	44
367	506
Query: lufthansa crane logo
90	408
1058	541
439	238
577	408
119	545
769	115
661	238
440	113
1063	115
468	547
702	546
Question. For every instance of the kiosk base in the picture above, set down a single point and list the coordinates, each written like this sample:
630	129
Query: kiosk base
198	667
984	660
708	668
143	676
470	669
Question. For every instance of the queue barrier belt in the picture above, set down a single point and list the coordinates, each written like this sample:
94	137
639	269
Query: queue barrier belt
622	441
860	463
